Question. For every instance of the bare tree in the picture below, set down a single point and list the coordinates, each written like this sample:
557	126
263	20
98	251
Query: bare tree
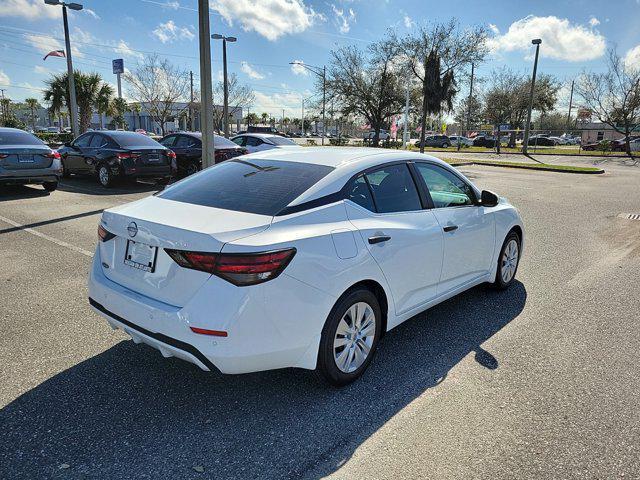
159	85
435	52
613	97
367	83
240	96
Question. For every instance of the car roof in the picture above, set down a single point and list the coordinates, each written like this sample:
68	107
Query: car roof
259	135
346	162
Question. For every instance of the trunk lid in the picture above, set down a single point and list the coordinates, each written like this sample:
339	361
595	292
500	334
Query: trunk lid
21	157
161	223
150	157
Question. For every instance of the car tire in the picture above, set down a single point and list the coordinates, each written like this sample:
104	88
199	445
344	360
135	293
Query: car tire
50	186
192	167
508	261
105	176
344	340
65	171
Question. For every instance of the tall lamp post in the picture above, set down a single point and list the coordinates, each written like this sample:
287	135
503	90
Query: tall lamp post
73	108
206	93
527	126
225	110
322	73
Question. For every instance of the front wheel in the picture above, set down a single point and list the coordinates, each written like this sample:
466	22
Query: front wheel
50	186
192	167
508	261
105	177
350	337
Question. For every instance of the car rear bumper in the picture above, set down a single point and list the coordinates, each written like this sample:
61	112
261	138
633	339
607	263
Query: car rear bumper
262	334
6	179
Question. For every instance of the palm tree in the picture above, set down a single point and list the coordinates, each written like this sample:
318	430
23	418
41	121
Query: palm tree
33	105
89	87
264	116
103	102
135	108
117	109
438	91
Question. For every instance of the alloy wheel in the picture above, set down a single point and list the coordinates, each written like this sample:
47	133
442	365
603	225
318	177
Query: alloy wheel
354	337
104	176
509	261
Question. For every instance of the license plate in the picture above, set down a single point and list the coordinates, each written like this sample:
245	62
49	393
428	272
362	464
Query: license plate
25	158
140	256
153	158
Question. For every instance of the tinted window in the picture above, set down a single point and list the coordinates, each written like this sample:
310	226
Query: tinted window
184	141
83	141
281	141
240	141
168	141
361	194
253	141
133	139
393	189
221	142
264	187
446	188
19	138
97	141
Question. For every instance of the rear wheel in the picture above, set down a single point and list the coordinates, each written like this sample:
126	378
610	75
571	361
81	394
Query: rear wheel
50	186
350	337
105	177
65	171
508	261
192	167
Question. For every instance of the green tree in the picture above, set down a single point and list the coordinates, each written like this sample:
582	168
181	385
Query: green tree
118	108
264	116
33	105
252	119
103	102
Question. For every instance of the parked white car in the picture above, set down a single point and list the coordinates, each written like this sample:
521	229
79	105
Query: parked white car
298	257
258	142
382	136
455	139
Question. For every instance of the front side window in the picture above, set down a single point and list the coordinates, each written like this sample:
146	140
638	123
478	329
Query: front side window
393	189
83	141
446	188
97	141
184	142
253	142
168	141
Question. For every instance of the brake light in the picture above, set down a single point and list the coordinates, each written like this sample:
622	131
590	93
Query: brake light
104	234
3	155
241	269
52	154
171	154
122	156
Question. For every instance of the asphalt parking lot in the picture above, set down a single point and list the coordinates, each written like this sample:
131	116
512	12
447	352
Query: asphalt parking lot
540	381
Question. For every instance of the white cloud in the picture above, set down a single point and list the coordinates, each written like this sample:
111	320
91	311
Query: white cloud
82	36
250	71
561	40
172	5
45	44
124	49
494	29
594	22
632	58
298	69
4	78
29	9
169	32
274	103
408	23
42	70
269	18
91	13
343	19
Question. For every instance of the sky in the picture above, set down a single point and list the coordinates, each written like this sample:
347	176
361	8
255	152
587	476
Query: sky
271	33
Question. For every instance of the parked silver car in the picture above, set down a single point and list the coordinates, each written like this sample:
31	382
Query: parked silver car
25	159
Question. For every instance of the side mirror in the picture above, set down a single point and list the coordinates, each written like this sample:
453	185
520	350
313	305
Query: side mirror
489	199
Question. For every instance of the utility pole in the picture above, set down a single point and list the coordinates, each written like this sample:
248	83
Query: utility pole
206	93
527	126
225	107
191	103
469	101
405	134
302	121
324	101
570	105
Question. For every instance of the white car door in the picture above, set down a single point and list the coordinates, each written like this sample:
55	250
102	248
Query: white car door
405	239
469	229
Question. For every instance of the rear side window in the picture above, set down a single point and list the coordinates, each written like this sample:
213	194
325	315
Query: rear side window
394	190
360	193
168	141
83	141
264	187
19	138
240	141
97	141
183	141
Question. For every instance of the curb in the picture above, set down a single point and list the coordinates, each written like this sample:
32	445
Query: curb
532	167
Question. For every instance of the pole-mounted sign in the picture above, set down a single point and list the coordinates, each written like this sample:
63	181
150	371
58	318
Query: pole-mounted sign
118	69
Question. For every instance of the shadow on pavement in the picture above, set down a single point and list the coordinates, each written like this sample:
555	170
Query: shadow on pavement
89	185
129	413
53	220
18	192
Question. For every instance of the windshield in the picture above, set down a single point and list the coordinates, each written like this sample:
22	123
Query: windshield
19	138
263	187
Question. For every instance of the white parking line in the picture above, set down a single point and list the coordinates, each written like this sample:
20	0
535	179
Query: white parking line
47	237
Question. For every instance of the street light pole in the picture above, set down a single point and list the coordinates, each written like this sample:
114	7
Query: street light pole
206	97
322	73
73	106
225	106
527	126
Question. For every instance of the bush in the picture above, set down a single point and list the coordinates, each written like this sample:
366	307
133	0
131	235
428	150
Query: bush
50	137
338	142
311	141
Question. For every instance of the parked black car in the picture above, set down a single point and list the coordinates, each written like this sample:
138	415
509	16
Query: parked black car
111	155
188	149
541	141
487	141
441	141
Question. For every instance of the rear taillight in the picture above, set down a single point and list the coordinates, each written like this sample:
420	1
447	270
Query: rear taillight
104	234
241	269
172	160
122	156
171	154
3	155
52	154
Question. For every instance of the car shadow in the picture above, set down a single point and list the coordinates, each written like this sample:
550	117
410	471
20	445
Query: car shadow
88	185
19	192
128	412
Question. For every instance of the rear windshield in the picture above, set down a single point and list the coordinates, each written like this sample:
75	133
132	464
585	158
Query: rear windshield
133	139
263	187
19	138
281	141
221	142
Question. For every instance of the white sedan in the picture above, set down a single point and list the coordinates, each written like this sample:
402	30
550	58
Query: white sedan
298	258
258	142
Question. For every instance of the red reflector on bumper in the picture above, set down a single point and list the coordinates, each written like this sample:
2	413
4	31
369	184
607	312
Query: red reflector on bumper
204	331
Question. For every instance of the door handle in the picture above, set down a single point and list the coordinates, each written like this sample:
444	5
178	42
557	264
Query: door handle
379	239
450	228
